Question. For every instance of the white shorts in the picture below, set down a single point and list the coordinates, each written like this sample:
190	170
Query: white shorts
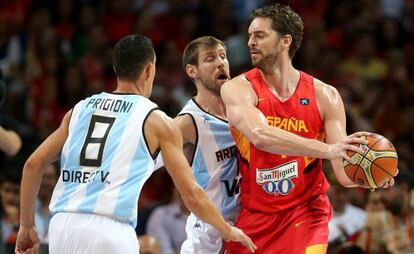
202	238
71	233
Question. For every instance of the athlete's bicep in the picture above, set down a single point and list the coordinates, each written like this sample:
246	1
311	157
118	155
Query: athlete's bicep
240	100
333	113
186	124
167	134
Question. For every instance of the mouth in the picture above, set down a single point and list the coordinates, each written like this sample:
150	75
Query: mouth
223	77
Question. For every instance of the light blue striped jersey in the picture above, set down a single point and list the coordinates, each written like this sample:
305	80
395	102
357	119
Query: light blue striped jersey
105	160
214	161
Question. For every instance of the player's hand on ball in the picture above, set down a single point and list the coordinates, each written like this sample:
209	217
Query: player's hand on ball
387	184
237	235
339	150
27	241
376	166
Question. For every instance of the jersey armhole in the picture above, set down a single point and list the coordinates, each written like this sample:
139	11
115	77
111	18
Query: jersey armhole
157	151
196	139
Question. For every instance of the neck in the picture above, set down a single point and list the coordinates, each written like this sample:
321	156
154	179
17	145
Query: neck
281	77
125	86
210	102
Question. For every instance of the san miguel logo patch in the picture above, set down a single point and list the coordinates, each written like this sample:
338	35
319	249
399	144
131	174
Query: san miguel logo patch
278	180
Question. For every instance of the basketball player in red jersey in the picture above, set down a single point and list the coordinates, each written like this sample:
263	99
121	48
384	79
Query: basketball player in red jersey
285	209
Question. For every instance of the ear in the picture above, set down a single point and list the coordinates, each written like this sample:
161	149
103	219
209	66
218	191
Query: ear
148	70
191	71
286	41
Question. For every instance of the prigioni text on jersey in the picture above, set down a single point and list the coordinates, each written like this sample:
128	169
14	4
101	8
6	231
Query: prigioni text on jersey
110	105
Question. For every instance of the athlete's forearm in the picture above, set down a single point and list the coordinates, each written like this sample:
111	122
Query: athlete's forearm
199	204
30	185
277	141
343	179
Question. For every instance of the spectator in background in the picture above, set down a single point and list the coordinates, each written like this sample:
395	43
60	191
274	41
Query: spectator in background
10	142
389	226
167	224
9	208
347	219
364	64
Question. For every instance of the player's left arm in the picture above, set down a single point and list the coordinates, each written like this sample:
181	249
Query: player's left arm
332	111
33	171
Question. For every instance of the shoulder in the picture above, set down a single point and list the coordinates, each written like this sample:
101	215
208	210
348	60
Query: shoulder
328	97
160	123
238	88
184	120
150	103
325	92
239	80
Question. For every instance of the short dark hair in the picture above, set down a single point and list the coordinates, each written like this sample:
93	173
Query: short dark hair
284	21
130	56
190	55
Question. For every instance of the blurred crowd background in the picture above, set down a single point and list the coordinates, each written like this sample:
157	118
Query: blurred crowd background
54	53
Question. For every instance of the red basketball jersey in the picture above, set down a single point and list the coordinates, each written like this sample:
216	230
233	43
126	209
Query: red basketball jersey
276	182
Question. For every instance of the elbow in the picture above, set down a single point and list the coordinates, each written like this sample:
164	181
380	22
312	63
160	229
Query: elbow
345	184
191	198
31	165
258	139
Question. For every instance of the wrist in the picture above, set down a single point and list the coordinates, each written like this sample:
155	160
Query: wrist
226	231
26	225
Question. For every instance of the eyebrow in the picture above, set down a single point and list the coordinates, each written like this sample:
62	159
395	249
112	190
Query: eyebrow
258	32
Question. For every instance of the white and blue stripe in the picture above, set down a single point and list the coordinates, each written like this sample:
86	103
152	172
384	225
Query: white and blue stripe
213	135
126	162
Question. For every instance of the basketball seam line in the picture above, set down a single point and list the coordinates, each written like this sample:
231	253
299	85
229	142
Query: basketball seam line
382	167
363	157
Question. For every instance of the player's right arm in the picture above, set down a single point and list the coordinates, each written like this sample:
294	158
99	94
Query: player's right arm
161	131
240	101
189	134
27	237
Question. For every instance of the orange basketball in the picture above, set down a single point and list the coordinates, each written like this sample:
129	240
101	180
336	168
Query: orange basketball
376	165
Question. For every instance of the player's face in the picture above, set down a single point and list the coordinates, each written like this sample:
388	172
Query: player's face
10	194
213	68
264	42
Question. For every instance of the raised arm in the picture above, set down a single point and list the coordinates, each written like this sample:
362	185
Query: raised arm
161	131
33	170
240	100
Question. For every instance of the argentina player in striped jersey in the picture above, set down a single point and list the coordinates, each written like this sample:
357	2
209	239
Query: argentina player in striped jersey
208	143
107	145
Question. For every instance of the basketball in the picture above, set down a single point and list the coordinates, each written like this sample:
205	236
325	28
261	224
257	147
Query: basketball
376	165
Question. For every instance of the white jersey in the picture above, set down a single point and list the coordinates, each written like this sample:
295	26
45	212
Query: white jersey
105	160
214	160
215	168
